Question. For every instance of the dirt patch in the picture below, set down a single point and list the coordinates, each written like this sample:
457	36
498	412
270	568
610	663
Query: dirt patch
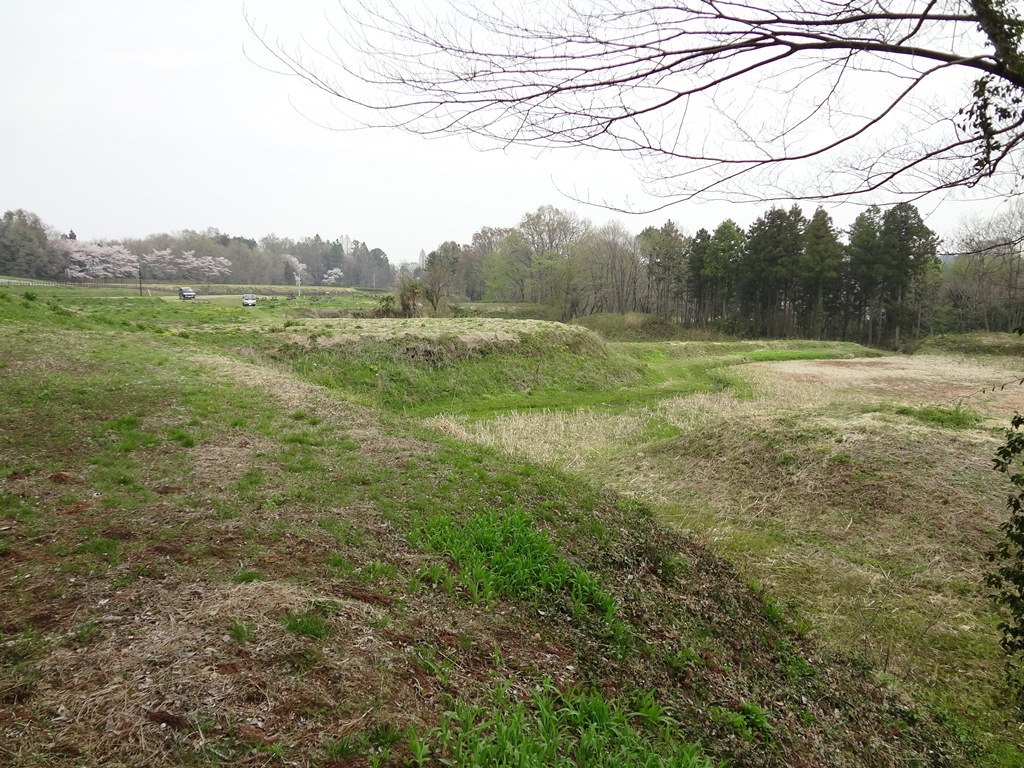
119	532
853	363
223	462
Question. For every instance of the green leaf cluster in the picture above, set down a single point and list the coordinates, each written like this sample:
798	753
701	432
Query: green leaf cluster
1007	576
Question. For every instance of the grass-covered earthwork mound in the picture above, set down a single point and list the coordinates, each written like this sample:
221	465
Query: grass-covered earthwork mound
210	558
472	365
860	488
1000	344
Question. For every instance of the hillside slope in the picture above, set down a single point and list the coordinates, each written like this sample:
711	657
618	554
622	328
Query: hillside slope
210	562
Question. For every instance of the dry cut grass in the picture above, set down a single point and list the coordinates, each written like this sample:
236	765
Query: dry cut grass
471	331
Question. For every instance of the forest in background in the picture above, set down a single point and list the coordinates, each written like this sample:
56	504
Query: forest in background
30	248
882	281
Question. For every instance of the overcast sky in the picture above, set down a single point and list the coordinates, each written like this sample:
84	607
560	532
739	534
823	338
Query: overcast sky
123	118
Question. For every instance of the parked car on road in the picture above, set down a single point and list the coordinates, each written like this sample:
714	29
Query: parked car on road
249	300
186	293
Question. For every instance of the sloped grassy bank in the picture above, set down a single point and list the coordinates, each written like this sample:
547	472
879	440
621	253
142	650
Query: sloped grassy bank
861	490
208	562
476	365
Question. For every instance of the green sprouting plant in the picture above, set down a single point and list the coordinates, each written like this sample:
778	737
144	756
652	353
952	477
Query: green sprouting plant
501	553
734	720
438	665
651	713
376	570
773	610
342	749
86	632
750	723
307	624
560	728
340	565
438	575
794	665
301	660
241	631
757	719
247	575
1007	576
684	659
383	735
418	747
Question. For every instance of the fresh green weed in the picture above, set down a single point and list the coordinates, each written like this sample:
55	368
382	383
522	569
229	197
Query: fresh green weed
502	554
750	723
310	624
559	729
108	549
246	576
948	418
242	631
182	437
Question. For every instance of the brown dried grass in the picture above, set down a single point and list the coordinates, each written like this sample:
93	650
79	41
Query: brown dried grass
167	676
472	332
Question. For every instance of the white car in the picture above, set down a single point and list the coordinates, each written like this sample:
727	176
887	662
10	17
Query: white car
249	300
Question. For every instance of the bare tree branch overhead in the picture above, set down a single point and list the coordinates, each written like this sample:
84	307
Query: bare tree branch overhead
780	99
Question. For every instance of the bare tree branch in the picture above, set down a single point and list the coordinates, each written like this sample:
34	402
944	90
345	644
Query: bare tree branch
781	99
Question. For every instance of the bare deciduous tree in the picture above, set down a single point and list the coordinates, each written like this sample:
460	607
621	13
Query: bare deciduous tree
734	99
986	277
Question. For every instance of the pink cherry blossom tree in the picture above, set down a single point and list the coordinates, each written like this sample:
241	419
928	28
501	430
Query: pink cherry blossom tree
205	268
298	269
102	261
97	261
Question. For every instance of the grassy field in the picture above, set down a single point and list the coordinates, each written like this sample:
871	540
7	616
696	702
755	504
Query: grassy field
276	538
860	490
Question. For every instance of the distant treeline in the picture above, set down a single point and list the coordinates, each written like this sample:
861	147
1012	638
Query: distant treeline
786	275
30	248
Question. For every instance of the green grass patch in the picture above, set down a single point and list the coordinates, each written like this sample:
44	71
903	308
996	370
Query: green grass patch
947	418
182	437
499	553
242	631
14	508
311	623
782	355
107	549
247	576
557	729
750	722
